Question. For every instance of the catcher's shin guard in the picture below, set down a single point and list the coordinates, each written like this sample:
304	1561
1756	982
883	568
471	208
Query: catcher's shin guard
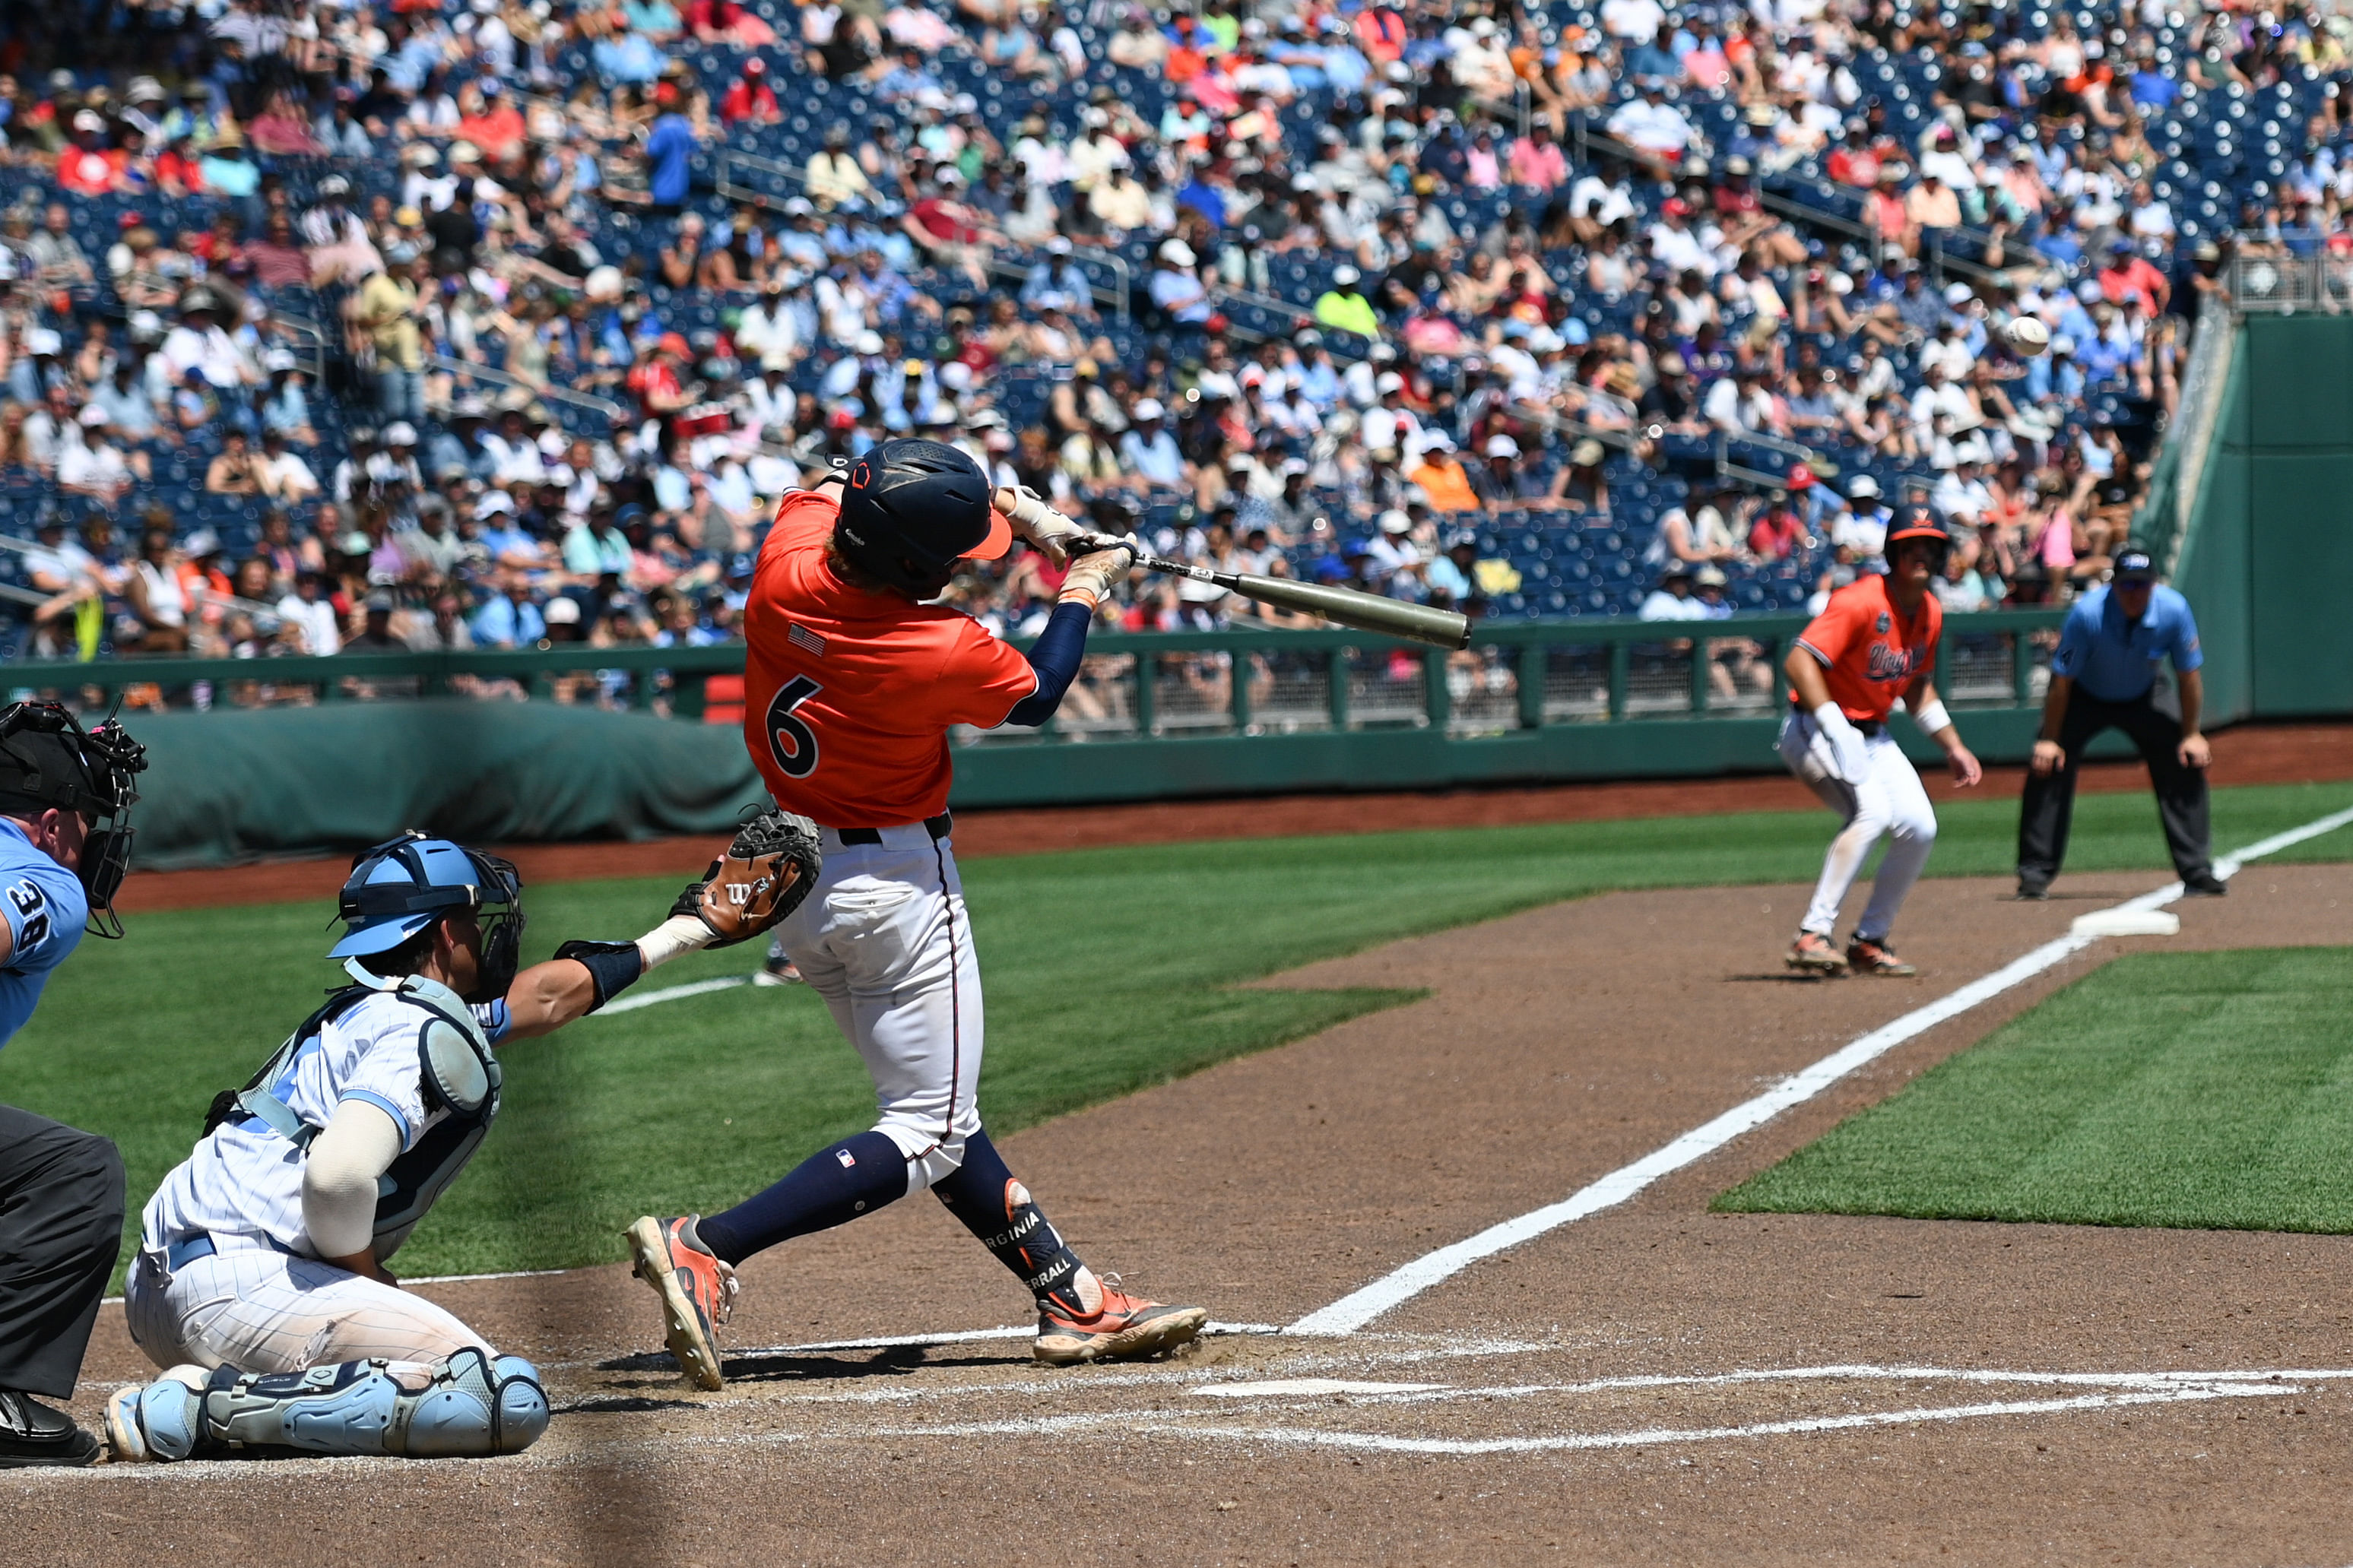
468	1406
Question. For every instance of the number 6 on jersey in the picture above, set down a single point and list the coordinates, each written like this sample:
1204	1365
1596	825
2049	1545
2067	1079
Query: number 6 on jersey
790	739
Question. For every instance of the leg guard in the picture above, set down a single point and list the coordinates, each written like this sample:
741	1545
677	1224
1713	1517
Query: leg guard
999	1211
467	1407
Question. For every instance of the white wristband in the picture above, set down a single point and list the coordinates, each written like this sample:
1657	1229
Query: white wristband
674	938
1932	720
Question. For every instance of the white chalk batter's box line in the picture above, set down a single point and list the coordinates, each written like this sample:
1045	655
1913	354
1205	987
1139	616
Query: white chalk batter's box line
1293	1397
2058	1394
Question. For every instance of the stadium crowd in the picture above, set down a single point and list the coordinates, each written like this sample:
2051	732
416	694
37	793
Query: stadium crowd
424	326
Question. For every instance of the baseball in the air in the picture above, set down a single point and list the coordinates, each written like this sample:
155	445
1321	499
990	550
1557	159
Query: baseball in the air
2028	336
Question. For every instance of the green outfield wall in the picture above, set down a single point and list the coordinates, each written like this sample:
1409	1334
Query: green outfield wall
2267	557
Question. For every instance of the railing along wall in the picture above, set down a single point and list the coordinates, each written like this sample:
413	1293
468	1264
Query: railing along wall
1165	687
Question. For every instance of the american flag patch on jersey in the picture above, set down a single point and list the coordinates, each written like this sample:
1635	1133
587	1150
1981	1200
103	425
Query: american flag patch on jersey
806	639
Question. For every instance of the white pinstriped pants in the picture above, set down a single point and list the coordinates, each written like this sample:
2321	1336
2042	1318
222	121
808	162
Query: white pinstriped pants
885	941
263	1311
1889	801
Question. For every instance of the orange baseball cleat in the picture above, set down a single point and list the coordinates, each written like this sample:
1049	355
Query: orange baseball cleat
697	1292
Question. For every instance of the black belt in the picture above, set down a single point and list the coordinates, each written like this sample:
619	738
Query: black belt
938	826
1865	727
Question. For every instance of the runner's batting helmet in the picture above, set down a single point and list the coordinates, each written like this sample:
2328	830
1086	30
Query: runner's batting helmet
1918	525
911	509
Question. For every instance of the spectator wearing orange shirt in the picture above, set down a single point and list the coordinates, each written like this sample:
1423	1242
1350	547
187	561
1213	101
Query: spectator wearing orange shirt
492	123
1442	476
1778	532
86	167
1885	214
1381	34
2127	279
178	171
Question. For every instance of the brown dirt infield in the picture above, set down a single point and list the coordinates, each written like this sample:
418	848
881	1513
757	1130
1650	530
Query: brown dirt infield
1273	1184
2258	753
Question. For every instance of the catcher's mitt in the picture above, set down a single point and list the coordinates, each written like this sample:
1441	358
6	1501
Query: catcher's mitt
770	868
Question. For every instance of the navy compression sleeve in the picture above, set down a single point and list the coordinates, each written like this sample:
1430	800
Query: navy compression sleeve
1055	657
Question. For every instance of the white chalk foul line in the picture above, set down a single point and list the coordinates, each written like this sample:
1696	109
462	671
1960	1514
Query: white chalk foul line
671	993
1354	1310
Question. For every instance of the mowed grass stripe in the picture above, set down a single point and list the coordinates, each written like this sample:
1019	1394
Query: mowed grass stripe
2198	1090
1107	971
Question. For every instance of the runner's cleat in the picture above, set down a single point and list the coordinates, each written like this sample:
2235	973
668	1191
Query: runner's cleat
697	1292
1876	958
1124	1329
1813	953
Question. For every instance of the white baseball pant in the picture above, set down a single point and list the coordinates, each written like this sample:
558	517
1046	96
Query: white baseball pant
263	1311
885	940
1889	800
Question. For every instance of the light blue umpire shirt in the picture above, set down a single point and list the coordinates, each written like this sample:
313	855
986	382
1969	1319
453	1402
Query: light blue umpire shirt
2116	660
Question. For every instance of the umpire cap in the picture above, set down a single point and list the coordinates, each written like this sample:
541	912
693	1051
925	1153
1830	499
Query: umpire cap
911	509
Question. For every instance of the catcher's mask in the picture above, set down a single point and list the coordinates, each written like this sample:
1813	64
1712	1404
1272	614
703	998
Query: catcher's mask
49	761
404	885
911	510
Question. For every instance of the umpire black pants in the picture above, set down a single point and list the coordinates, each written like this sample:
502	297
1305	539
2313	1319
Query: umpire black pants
2153	719
60	1228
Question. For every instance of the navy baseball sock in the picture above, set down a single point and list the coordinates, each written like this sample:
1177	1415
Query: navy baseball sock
998	1210
832	1188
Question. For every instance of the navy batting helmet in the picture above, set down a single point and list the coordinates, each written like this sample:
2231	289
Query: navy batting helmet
913	509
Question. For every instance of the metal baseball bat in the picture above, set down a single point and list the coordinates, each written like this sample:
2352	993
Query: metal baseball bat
1341	607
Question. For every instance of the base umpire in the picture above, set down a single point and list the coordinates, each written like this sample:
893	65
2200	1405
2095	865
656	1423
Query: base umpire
2103	676
65	843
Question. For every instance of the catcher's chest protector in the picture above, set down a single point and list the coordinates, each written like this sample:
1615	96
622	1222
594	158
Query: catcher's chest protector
460	1077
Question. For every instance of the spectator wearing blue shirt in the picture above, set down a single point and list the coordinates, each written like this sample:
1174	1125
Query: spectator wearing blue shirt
60	1188
669	144
1148	451
510	620
1059	281
2102	677
629	58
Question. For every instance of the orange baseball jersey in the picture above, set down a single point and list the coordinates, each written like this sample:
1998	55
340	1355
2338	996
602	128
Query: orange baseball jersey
849	695
1871	654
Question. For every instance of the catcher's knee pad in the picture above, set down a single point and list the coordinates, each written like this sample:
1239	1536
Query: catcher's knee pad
469	1406
475	1406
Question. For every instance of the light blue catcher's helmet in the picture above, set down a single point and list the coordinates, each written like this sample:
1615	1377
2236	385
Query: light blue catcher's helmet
403	885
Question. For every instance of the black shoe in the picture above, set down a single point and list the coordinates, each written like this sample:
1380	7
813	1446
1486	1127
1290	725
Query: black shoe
2033	892
32	1434
2205	885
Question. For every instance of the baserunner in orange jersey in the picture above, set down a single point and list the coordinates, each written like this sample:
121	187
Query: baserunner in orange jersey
852	684
1873	645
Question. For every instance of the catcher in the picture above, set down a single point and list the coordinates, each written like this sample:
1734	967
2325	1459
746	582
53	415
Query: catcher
854	681
261	1282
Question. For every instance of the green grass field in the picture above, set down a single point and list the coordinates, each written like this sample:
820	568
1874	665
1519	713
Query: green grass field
2207	1089
1108	971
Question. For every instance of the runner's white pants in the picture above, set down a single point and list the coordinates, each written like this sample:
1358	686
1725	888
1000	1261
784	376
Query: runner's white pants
262	1311
1889	800
884	939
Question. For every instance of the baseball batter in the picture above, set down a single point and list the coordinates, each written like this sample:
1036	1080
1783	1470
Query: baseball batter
1873	645
852	684
260	1283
